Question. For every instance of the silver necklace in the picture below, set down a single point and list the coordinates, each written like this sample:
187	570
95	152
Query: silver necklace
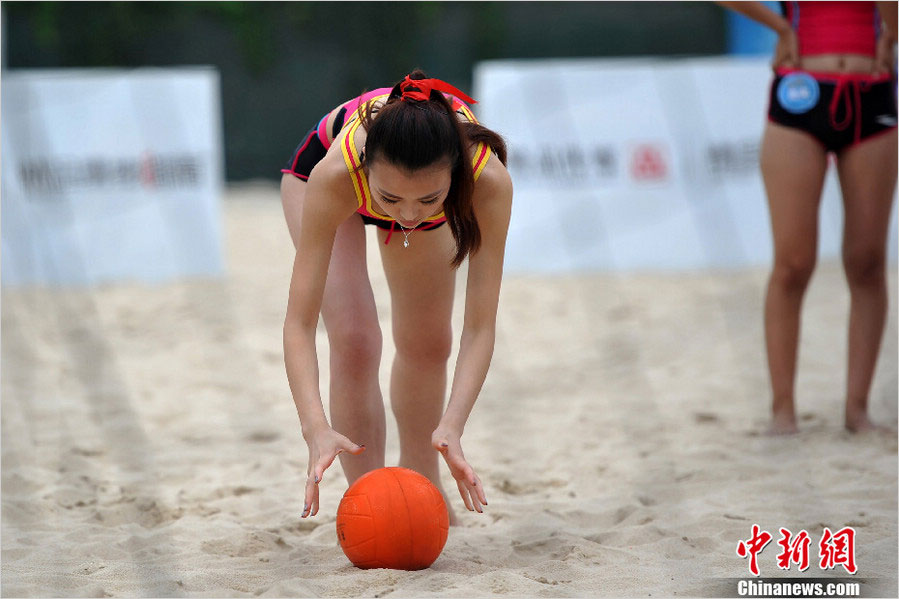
405	235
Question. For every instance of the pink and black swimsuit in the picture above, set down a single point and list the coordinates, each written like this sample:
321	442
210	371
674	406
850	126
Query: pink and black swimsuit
838	109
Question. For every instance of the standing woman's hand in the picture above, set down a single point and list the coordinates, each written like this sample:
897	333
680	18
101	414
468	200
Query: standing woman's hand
786	53
470	488
324	445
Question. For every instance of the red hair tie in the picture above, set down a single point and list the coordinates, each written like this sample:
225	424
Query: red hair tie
422	93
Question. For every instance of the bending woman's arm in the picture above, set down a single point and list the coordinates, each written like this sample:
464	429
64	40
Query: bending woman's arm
493	208
322	213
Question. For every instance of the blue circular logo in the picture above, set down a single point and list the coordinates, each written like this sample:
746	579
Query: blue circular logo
798	92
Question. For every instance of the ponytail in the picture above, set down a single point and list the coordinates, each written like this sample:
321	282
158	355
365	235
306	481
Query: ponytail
416	128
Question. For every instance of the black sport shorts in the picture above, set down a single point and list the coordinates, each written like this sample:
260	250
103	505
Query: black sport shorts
838	110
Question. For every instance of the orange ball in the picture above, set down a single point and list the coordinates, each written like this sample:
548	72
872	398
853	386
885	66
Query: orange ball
392	518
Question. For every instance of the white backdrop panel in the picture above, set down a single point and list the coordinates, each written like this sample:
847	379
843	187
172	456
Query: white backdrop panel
111	174
628	164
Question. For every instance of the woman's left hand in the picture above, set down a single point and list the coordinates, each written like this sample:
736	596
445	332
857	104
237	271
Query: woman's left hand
470	488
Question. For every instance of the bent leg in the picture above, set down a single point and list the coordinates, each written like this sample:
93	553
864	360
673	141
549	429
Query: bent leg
421	288
793	167
868	180
354	339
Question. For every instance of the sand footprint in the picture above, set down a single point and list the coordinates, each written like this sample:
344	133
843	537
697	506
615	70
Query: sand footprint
705	418
622	513
524	488
547	548
646	500
700	544
263	436
89	452
251	544
145	511
300	527
630	536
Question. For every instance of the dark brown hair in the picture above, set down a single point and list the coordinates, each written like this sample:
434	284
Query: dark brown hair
415	135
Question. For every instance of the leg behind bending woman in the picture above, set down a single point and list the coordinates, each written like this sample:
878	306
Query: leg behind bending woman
793	166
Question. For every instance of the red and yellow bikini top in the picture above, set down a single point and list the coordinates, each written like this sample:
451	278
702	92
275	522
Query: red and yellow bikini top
346	138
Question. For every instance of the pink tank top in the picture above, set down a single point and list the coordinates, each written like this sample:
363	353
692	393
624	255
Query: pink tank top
834	27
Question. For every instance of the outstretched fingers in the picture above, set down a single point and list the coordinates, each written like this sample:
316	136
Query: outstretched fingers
470	488
466	496
310	502
478	489
471	485
317	472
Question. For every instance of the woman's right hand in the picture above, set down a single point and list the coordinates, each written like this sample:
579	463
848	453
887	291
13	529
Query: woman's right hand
786	53
325	444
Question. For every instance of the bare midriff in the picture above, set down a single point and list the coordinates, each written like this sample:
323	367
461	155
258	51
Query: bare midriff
837	63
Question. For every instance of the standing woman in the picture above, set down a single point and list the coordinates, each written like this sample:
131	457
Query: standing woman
414	162
833	91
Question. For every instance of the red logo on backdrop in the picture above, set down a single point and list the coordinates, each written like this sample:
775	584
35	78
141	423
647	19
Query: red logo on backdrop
147	170
648	163
835	549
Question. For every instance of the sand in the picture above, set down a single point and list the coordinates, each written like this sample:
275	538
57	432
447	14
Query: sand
150	446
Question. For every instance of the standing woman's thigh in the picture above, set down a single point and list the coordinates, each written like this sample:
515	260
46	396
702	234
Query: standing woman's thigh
868	182
422	284
793	167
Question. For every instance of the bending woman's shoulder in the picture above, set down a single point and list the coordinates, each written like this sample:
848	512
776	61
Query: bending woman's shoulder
494	183
492	203
329	195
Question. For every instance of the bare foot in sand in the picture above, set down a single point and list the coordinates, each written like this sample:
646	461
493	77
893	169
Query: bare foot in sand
783	423
858	422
